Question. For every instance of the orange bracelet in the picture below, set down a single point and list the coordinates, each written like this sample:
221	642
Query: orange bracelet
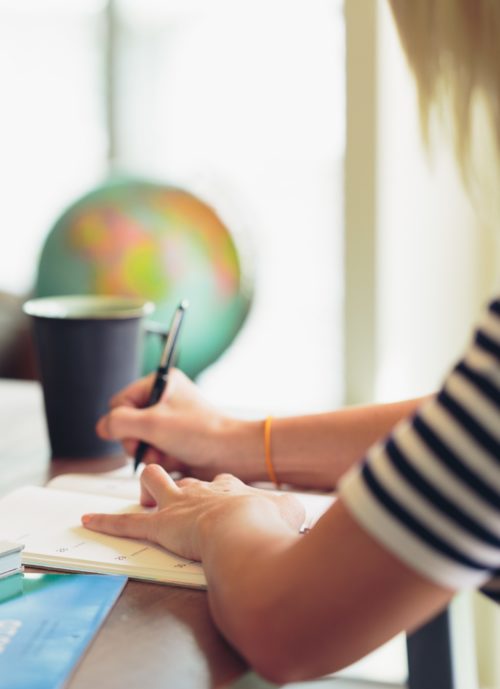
267	450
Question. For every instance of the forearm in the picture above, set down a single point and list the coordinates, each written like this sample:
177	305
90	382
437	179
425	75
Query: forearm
238	555
313	451
299	607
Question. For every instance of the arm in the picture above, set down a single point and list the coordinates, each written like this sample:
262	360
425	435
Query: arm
417	520
315	451
310	605
191	435
294	606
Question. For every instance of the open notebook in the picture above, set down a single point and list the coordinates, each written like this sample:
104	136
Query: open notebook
47	521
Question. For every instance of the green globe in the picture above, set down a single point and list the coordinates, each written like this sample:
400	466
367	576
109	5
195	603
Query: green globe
159	243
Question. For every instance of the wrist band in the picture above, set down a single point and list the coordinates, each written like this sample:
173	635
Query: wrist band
267	451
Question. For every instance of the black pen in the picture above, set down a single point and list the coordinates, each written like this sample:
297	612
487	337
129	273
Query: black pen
161	377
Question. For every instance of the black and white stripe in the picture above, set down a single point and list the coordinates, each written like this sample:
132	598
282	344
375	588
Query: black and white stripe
431	492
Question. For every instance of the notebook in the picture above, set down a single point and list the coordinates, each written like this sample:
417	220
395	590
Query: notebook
10	558
47	521
47	622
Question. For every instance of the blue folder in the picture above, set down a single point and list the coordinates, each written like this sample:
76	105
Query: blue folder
46	623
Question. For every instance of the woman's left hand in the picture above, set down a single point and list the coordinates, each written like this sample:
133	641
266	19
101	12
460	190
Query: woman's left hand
181	505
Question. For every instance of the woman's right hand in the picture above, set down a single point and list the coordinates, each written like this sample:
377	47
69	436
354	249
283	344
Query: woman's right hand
184	431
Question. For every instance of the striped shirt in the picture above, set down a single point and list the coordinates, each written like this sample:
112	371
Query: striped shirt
430	492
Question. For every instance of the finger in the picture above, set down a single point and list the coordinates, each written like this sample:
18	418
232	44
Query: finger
157	487
152	456
101	428
170	464
227	478
127	422
187	481
134	395
135	525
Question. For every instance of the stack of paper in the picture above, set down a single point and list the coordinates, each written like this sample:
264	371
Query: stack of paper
10	558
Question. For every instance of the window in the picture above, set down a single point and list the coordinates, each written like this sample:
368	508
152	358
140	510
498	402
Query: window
52	126
242	103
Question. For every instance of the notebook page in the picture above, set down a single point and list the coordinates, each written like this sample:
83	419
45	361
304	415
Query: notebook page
315	505
122	484
48	523
118	484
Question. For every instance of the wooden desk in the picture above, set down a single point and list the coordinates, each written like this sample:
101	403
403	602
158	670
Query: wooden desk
156	636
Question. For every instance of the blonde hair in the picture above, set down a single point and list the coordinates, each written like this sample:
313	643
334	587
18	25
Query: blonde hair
453	48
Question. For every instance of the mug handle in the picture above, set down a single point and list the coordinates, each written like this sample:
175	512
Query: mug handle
161	331
152	351
154	328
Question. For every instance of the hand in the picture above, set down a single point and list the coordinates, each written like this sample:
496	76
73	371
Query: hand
184	505
184	431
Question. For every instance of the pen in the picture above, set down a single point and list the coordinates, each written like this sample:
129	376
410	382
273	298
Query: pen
161	377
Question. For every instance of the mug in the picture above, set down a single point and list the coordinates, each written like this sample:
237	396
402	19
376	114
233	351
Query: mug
88	348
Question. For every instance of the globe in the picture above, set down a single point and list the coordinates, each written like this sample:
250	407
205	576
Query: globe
160	243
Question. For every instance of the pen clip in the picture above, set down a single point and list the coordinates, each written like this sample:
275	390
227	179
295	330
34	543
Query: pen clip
173	334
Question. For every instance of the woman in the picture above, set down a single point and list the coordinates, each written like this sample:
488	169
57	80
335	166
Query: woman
416	520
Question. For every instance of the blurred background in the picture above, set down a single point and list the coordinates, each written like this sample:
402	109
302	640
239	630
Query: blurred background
296	120
241	103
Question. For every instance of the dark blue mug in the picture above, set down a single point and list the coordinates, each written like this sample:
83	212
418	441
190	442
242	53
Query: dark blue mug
88	348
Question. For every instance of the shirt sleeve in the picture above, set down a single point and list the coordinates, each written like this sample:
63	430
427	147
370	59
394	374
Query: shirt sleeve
492	589
430	492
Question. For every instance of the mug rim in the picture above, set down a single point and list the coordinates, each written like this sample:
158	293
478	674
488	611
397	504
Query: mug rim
88	307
